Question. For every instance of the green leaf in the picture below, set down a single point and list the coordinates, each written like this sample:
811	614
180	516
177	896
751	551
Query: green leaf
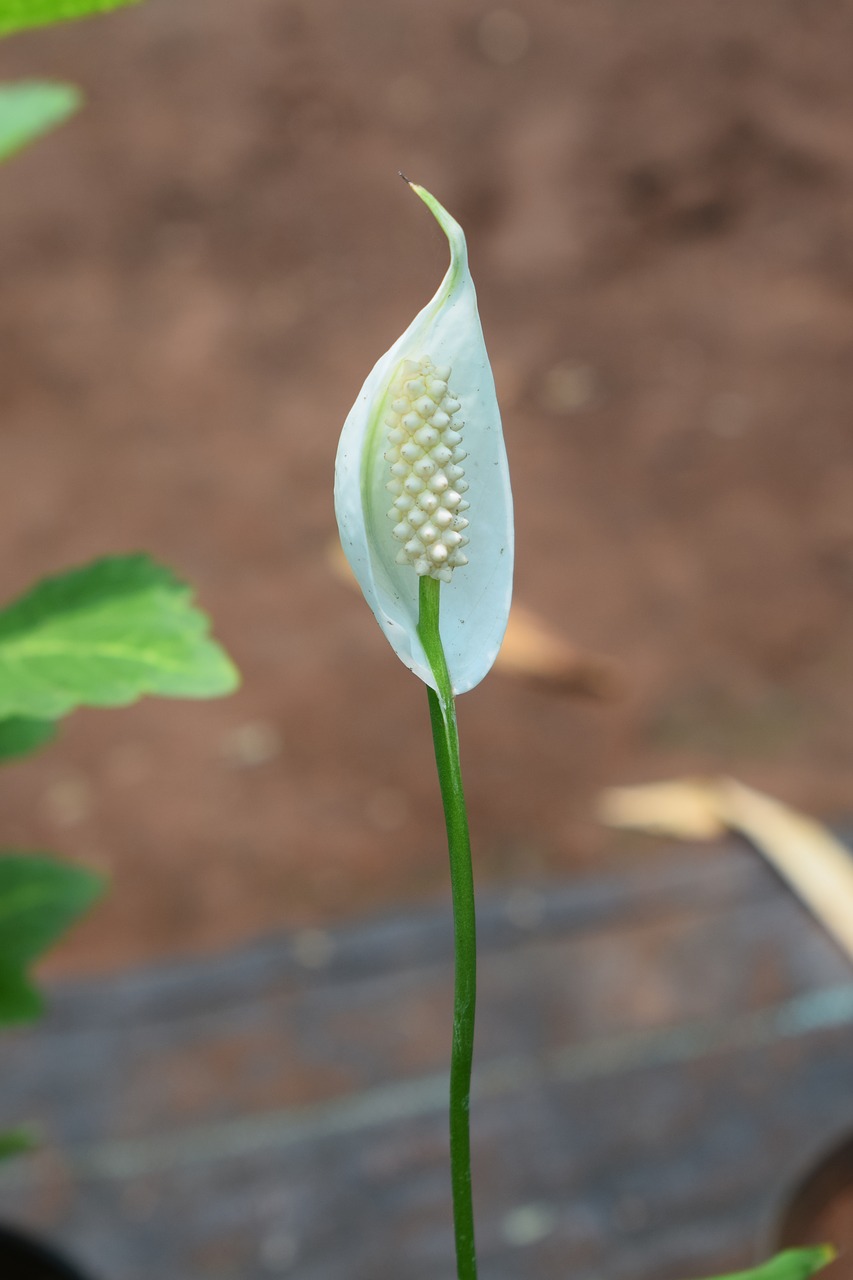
31	108
17	15
104	635
20	735
791	1264
16	1142
20	1001
39	899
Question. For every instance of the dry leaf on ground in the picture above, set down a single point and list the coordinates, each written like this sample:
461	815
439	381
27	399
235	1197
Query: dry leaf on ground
818	867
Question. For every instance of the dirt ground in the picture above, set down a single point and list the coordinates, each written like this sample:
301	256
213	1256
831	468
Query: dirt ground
199	271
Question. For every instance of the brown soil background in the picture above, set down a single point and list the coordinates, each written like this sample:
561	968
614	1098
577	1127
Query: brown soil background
198	272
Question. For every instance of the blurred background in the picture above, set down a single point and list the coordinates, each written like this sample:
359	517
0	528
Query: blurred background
199	271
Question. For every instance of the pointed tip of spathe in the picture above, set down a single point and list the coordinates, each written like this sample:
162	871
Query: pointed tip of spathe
448	224
428	199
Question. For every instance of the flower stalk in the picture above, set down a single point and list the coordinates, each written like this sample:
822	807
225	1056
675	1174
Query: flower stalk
442	709
424	436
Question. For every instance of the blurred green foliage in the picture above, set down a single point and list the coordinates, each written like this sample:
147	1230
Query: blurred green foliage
39	899
29	109
18	15
20	735
103	635
100	635
791	1264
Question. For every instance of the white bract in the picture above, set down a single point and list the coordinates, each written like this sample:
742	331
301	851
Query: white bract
422	484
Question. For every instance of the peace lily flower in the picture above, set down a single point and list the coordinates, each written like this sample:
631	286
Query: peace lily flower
422	484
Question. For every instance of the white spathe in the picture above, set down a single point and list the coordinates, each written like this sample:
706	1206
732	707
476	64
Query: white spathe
475	602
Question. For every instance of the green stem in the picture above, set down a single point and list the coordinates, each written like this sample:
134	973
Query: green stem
442	712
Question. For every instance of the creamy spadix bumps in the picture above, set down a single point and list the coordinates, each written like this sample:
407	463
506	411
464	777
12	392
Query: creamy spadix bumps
427	477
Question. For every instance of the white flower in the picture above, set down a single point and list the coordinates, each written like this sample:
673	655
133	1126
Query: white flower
422	485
